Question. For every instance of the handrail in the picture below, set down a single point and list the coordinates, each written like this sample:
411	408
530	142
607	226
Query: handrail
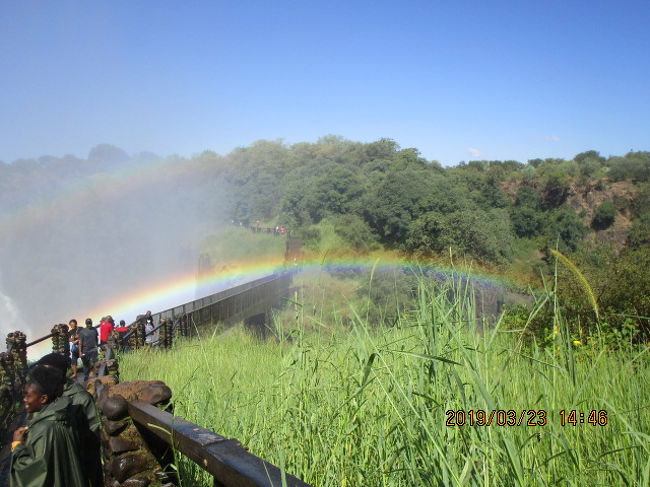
219	296
42	339
224	458
226	293
39	340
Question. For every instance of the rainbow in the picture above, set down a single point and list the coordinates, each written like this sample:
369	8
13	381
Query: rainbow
182	288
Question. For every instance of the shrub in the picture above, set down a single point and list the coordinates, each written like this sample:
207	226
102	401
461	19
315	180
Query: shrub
604	216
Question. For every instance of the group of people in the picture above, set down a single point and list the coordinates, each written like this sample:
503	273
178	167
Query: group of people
60	444
258	228
85	342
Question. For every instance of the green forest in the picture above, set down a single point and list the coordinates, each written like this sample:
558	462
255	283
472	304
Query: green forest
500	217
504	217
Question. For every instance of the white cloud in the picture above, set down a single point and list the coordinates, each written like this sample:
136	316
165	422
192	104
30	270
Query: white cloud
474	153
553	138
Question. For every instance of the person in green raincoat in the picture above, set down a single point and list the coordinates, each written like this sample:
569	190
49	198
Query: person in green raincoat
86	420
44	451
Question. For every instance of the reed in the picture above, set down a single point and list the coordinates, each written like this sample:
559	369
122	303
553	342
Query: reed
367	407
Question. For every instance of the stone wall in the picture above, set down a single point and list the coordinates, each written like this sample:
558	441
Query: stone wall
133	457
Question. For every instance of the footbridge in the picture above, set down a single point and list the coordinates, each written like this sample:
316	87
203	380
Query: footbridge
140	433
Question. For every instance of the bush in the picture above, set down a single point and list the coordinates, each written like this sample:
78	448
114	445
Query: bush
639	235
556	188
526	221
355	232
604	216
566	225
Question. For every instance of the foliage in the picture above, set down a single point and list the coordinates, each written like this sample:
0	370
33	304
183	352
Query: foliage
640	232
556	188
604	216
395	203
606	296
564	226
641	202
354	232
634	166
352	404
526	221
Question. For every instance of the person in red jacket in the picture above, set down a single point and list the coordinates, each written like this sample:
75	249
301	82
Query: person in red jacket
105	329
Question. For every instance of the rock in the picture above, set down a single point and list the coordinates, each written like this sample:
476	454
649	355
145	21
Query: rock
128	465
115	408
113	428
130	390
155	394
120	445
90	387
106	381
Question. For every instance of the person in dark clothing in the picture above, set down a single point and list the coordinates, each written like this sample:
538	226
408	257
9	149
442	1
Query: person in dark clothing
44	451
73	335
88	339
86	419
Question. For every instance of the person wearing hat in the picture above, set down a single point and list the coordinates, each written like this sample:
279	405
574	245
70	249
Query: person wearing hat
86	419
43	452
88	339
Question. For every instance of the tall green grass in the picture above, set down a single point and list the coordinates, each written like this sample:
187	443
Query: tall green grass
367	407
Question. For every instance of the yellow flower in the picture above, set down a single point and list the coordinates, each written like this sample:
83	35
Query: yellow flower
556	330
577	342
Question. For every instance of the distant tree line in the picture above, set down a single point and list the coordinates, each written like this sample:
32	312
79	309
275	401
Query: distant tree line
502	214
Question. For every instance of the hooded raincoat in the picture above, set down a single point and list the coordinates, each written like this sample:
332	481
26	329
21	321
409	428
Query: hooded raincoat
84	413
48	458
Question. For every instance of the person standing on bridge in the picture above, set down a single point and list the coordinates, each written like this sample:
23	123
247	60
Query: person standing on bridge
73	335
148	330
122	330
86	419
105	329
88	347
44	451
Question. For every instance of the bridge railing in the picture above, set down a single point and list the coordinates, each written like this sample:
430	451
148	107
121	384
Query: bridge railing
229	463
225	459
236	303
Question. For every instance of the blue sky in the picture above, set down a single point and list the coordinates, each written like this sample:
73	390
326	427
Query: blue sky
457	80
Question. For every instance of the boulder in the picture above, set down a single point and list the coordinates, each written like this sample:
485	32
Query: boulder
114	407
119	445
113	428
155	394
124	467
